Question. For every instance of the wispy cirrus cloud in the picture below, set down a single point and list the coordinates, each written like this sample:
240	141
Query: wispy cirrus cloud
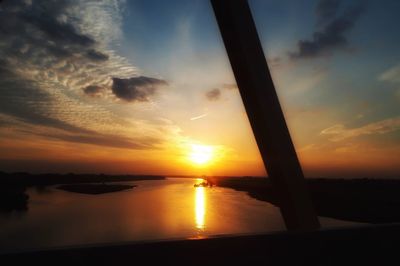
391	75
339	132
198	117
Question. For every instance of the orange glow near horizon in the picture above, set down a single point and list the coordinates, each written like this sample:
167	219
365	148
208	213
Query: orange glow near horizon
205	154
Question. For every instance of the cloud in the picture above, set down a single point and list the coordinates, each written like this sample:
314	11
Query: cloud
340	132
52	28
391	75
93	90
332	36
326	10
213	95
52	55
150	136
96	55
198	117
50	51
216	93
112	141
25	102
136	88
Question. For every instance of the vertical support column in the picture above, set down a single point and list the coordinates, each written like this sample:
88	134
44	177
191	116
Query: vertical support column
264	112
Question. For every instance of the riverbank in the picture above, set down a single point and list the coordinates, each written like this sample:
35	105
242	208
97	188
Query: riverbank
13	196
29	180
94	189
359	200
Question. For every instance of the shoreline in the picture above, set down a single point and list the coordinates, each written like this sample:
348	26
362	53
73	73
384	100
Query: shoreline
373	201
359	200
13	186
95	189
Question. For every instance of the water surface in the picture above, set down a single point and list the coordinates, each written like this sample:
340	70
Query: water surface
155	209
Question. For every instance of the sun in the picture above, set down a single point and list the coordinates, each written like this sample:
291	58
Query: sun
201	154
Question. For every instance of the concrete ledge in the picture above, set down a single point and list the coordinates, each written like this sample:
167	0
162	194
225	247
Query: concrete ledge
367	245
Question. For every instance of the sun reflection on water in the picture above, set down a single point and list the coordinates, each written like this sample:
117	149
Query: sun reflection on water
200	208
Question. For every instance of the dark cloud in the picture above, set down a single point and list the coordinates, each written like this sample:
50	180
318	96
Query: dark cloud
216	93
331	37
22	100
54	30
137	88
49	50
69	132
93	90
326	10
36	36
107	140
39	28
213	95
96	55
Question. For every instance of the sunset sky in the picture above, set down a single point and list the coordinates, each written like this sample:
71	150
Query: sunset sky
145	87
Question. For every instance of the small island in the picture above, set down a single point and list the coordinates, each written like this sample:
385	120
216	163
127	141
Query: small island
94	189
13	186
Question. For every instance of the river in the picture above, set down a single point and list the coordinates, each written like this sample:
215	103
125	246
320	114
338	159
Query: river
154	210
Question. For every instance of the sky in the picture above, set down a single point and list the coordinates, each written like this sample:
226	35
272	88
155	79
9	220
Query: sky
145	87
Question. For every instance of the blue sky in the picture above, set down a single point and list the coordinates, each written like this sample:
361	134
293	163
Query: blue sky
152	29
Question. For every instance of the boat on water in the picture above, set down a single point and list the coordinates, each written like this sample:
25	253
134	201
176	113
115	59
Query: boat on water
203	184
